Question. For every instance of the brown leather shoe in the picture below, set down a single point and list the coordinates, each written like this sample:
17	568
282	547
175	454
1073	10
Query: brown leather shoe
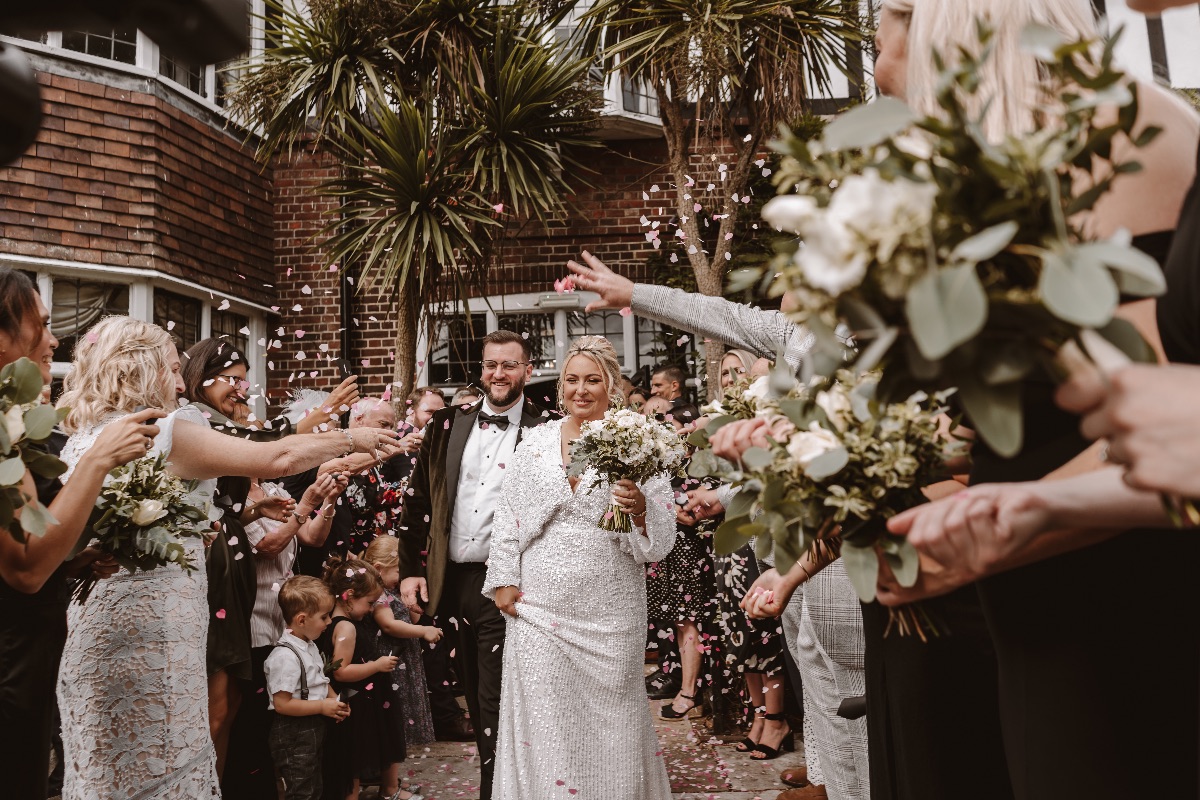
810	792
460	730
796	776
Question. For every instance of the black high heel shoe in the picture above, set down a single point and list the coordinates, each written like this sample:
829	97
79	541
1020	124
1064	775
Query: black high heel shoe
786	745
668	710
747	745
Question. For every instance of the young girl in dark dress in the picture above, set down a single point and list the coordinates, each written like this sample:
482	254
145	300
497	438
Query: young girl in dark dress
370	742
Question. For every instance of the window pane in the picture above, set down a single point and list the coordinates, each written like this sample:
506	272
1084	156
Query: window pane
179	315
191	78
454	358
538	330
608	324
234	327
116	45
77	305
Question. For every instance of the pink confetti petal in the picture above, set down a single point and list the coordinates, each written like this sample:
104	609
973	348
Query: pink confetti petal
220	613
626	311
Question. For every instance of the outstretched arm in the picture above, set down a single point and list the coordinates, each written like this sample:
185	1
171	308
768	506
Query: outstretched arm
737	324
200	453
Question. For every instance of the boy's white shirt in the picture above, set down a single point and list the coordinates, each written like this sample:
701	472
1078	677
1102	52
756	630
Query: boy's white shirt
283	670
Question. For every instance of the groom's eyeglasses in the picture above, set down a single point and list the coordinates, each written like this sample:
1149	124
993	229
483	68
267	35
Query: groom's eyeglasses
507	366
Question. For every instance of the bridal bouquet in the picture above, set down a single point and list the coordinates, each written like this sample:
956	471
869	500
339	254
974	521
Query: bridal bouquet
24	420
959	262
840	464
141	518
625	444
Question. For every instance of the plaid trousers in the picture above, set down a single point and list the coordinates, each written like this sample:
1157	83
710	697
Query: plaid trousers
823	628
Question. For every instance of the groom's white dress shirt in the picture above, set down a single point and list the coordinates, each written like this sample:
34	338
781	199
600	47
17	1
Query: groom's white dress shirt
487	451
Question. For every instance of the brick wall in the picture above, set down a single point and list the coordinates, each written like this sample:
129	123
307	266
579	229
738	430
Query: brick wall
122	176
605	219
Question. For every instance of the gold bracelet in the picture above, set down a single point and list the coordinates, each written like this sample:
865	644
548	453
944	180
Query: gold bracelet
349	440
331	516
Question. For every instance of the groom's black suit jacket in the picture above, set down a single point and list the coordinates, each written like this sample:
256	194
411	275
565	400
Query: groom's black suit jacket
429	508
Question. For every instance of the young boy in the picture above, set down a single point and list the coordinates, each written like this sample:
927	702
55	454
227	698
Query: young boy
298	690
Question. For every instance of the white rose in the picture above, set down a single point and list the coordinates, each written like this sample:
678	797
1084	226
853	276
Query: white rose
807	446
836	406
14	421
760	389
883	212
833	259
148	512
789	212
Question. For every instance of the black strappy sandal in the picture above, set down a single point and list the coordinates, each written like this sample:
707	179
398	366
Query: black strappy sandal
786	745
668	710
748	745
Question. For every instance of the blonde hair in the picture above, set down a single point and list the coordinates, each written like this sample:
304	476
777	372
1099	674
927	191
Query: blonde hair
303	594
383	552
119	364
601	352
1011	79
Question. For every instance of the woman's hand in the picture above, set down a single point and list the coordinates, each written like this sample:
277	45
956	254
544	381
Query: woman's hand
1148	415
273	507
733	440
129	438
703	504
768	596
431	634
372	440
410	442
507	598
978	529
327	485
629	497
92	559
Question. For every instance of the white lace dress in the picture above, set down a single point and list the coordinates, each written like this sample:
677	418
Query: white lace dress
574	721
132	688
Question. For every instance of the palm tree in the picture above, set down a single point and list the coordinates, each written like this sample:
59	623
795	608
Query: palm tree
444	114
727	74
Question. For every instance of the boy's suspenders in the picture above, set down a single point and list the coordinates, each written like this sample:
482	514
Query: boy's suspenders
303	669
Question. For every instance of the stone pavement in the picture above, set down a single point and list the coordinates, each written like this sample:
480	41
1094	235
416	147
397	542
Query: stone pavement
701	768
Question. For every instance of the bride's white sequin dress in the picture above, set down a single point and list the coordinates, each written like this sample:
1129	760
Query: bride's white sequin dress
573	709
132	689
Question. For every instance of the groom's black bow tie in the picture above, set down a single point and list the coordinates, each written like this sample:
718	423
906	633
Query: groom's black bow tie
499	420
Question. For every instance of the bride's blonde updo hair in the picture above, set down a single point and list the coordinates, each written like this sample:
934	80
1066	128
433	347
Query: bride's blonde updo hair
601	351
1011	79
119	364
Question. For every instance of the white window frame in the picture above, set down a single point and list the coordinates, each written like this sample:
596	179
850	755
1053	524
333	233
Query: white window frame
142	284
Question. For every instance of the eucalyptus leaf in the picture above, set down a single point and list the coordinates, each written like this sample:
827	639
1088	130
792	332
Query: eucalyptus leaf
994	412
12	470
1041	42
43	464
862	567
903	559
868	125
40	421
945	308
1125	336
1078	289
827	464
1137	273
740	504
36	518
986	244
763	546
870	356
757	458
727	538
27	381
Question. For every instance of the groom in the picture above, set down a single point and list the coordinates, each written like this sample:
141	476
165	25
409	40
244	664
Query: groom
446	526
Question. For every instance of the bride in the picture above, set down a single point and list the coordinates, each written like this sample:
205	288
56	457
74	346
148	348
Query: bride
132	685
573	712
